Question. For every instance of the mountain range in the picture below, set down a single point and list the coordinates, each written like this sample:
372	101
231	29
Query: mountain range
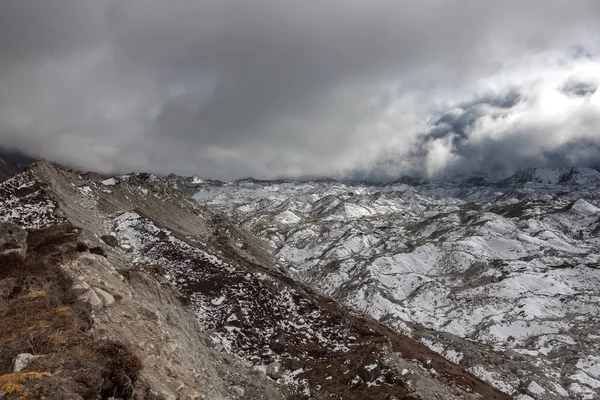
416	289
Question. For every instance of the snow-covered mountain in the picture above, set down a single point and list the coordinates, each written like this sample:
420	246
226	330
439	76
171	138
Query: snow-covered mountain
553	176
247	304
502	278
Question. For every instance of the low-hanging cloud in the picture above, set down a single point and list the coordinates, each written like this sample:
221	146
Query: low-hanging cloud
546	120
267	88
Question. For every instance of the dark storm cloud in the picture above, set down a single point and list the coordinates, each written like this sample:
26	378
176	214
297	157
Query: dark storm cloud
268	88
496	137
501	158
33	31
575	88
458	122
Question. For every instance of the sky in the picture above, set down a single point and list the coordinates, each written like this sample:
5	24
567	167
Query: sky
274	88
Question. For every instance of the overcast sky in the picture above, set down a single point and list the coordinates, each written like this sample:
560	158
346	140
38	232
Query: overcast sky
270	88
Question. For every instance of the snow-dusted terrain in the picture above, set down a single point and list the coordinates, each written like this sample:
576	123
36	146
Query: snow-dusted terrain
245	301
500	277
23	200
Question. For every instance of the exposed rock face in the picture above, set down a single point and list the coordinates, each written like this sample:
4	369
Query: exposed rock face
22	199
13	239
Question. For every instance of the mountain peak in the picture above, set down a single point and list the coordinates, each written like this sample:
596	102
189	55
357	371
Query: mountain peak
553	176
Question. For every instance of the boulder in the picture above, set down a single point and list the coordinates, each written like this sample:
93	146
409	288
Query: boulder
92	298
344	368
277	342
296	364
110	240
126	247
369	369
22	361
274	370
237	391
13	239
106	297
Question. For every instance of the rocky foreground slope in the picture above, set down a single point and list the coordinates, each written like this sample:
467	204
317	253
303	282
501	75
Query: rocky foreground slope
251	331
502	278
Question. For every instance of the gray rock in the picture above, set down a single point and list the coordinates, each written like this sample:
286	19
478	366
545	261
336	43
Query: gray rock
213	341
81	285
126	247
110	240
106	297
369	369
277	342
237	391
296	364
24	360
274	370
92	298
13	239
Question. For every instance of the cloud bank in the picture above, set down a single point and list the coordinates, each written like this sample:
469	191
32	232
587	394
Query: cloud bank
268	88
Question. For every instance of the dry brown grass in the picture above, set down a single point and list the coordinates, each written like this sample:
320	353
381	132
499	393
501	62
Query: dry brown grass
15	382
42	315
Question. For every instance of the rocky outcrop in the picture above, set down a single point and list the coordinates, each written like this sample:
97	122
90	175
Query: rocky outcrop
369	369
23	361
46	347
275	370
13	239
145	312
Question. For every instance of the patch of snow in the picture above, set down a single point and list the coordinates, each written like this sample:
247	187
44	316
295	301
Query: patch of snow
109	182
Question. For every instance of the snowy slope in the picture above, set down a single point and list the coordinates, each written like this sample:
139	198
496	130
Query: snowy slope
503	278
